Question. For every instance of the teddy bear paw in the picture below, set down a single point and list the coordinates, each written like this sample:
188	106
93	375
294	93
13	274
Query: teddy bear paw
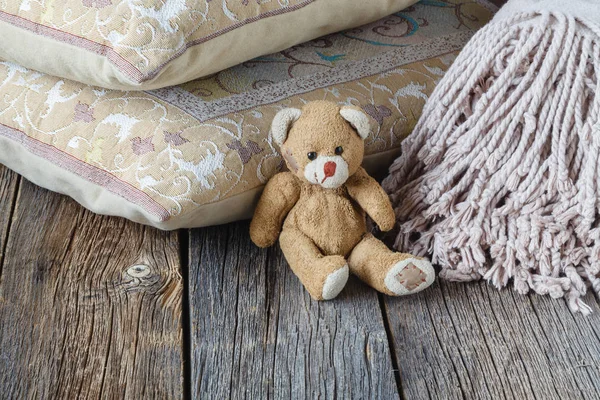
409	276
335	282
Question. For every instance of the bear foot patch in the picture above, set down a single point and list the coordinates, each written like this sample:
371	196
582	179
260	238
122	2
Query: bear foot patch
409	276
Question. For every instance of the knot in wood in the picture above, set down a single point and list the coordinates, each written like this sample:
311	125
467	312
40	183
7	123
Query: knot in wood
138	271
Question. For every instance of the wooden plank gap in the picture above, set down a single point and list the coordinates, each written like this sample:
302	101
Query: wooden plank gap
184	257
8	178
391	345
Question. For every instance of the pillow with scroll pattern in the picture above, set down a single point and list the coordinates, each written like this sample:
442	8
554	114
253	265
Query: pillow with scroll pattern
145	44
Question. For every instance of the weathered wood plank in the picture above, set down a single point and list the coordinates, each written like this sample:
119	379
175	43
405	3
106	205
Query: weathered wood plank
471	341
256	333
8	189
76	319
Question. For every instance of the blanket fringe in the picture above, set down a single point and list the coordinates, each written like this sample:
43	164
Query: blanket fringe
500	178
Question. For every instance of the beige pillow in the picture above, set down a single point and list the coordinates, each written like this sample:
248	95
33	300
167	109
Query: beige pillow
199	153
145	44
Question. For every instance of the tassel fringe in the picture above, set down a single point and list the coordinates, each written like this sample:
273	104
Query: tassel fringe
501	177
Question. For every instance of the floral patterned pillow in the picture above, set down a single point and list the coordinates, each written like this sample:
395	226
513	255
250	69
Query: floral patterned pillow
145	44
199	153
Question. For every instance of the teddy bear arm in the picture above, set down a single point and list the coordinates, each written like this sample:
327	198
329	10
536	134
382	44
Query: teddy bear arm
279	196
372	198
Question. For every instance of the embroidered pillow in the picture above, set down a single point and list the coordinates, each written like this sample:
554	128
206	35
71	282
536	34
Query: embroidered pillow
145	44
199	153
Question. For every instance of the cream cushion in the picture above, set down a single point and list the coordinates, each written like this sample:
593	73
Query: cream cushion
199	153
146	44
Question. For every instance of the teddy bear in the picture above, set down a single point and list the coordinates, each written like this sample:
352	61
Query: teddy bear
318	208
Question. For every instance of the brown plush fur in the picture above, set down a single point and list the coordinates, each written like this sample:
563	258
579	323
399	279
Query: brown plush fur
321	230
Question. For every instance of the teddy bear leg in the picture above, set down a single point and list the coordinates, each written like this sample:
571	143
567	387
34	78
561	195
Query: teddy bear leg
395	274
323	276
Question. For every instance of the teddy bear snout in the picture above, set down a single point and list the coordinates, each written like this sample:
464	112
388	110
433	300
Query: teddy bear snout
329	169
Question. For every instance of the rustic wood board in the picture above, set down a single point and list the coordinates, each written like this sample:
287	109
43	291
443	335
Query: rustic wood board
255	332
9	182
76	320
471	341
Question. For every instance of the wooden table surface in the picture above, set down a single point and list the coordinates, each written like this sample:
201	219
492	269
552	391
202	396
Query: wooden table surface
99	307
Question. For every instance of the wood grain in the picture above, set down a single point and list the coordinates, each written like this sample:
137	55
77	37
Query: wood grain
256	333
77	321
9	182
470	341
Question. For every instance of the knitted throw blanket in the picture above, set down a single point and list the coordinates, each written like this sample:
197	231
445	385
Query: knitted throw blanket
501	177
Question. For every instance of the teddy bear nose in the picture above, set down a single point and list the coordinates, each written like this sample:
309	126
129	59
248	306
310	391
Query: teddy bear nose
329	168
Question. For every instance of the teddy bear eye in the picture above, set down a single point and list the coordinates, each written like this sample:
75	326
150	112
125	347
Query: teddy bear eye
312	155
339	150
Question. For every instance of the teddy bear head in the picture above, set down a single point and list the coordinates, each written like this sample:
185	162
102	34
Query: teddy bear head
322	143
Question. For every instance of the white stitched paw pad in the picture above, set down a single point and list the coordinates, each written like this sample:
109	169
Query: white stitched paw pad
335	282
409	276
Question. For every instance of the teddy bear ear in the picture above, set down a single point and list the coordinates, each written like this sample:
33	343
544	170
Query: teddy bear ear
358	119
282	122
